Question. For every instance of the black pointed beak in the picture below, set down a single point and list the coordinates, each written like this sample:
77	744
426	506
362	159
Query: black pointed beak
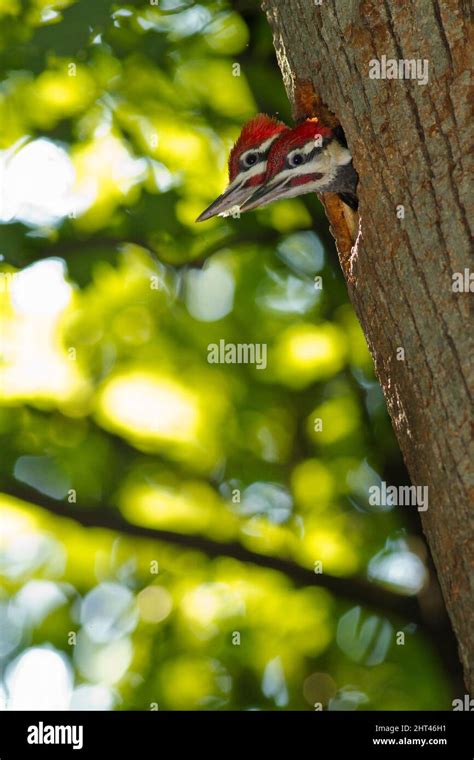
265	194
230	201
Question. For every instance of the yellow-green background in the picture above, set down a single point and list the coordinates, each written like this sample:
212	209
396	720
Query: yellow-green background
115	125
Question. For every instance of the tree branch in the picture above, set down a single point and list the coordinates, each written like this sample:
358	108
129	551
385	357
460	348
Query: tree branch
63	248
354	590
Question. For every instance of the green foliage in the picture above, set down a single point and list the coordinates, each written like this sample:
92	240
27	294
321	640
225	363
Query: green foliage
116	124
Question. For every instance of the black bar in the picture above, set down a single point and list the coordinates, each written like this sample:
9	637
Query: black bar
155	734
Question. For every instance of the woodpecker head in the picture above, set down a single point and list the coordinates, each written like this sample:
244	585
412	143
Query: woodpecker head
308	158
247	164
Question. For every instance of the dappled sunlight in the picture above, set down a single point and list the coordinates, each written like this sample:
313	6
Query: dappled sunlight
180	147
287	216
154	604
302	252
305	624
102	663
264	537
288	295
364	638
305	353
173	516
187	507
339	418
32	552
108	613
60	94
210	603
327	544
224	612
24	547
93	697
37	181
398	567
210	293
15	522
268	499
192	683
39	679
230	95
313	486
150	407
35	363
39	598
158	412
106	172
181	22
227	33
41	290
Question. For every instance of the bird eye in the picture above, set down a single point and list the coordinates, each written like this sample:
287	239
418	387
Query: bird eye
296	159
250	159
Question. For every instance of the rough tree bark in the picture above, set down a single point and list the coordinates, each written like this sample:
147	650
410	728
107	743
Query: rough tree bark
410	144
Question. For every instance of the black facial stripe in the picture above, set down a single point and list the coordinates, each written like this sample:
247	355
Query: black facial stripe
243	166
306	157
262	156
309	156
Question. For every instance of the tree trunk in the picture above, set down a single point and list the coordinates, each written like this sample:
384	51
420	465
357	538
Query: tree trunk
410	144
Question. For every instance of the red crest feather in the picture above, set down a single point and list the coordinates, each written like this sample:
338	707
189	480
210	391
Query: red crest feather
253	133
296	138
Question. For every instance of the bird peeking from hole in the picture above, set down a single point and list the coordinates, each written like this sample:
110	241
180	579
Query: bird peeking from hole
270	161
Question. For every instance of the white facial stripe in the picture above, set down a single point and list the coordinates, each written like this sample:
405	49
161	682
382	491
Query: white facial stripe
263	147
244	175
305	149
259	168
315	186
324	162
310	146
317	166
259	150
292	192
